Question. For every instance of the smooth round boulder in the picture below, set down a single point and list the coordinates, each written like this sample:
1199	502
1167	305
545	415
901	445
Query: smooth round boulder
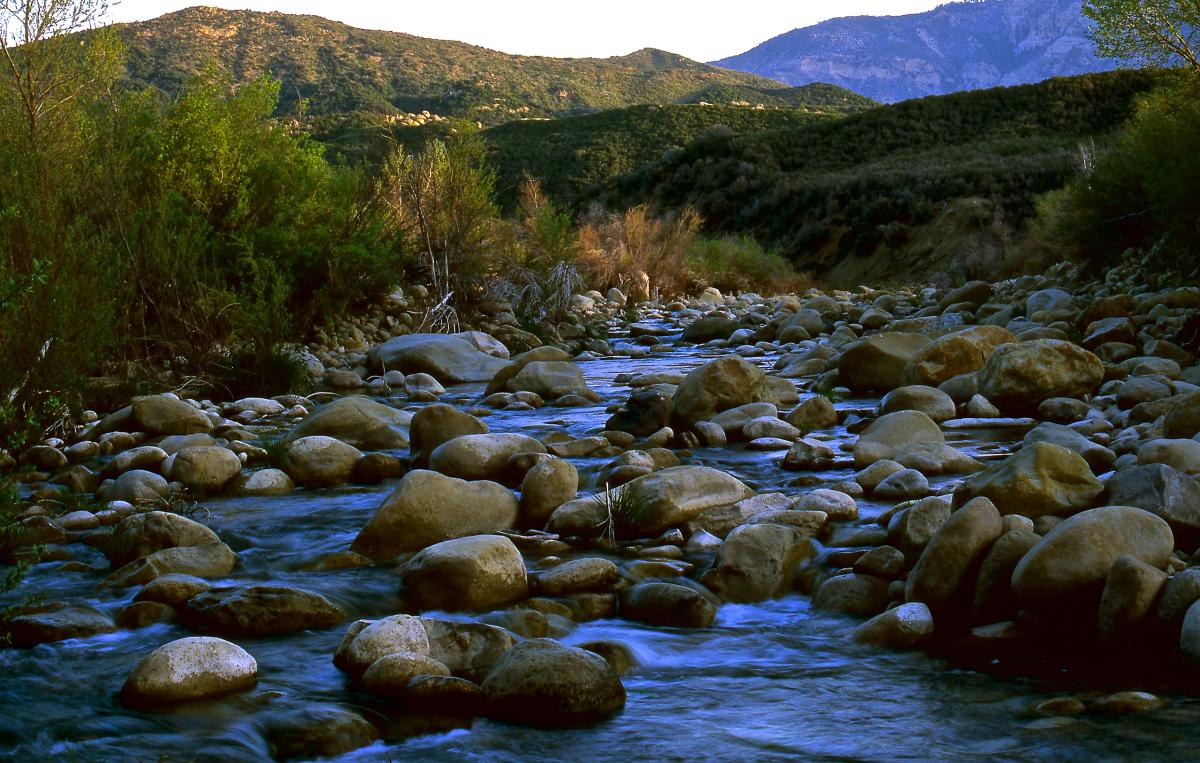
667	604
816	412
951	559
358	421
1074	558
714	387
363	645
547	485
320	461
877	363
1018	377
961	352
1160	490
389	675
550	380
427	507
544	684
474	573
436	424
259	610
205	470
189	669
931	401
264	482
1040	479
579	576
902	627
482	456
657	502
166	414
139	535
449	359
891	433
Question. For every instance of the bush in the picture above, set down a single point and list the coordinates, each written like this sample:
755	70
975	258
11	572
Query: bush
617	247
739	263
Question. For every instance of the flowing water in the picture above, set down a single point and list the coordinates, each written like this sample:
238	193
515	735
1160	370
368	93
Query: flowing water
775	680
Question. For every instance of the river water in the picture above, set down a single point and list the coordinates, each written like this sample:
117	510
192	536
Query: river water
769	681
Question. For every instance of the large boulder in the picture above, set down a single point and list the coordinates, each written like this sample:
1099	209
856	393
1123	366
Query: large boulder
32	628
436	424
709	328
892	433
877	363
756	562
468	649
931	401
189	669
389	675
714	387
669	604
475	573
449	359
205	470
357	421
1018	377
259	610
961	352
902	627
656	502
368	641
482	456
139	535
647	410
949	563
166	414
1037	480
1160	490
1099	458
319	461
205	560
550	380
1183	419
1073	559
547	485
544	684
428	507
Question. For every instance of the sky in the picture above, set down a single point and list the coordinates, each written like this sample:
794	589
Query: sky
704	30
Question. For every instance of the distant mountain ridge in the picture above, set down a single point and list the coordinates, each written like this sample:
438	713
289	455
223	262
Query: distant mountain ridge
957	46
338	69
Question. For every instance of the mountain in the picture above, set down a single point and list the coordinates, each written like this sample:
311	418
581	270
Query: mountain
338	69
957	46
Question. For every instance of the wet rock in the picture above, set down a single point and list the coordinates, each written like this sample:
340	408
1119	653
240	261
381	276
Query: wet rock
902	627
551	380
547	485
961	352
265	482
389	675
617	655
260	610
1181	455
1125	702
710	328
1074	558
994	600
838	506
904	484
544	684
1161	490
427	507
1041	479
442	695
1099	458
647	411
317	731
952	558
135	486
853	594
374	468
757	561
436	424
579	575
468	649
714	387
367	641
141	534
668	604
168	415
204	470
816	412
657	502
888	435
473	573
449	359
878	363
1018	377
1129	593
934	458
320	461
189	669
931	401
482	456
808	454
173	589
205	560
30	629
1183	419
358	421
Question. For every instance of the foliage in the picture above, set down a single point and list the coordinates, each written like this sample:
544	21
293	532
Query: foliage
1143	190
619	247
740	264
339	70
1155	32
822	191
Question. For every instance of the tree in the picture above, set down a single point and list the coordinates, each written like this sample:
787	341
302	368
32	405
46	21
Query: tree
1157	32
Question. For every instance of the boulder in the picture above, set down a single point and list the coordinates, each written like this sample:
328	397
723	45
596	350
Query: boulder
667	604
1018	377
878	363
468	649
647	411
1037	480
579	576
1181	455
135	486
189	669
367	641
259	610
166	414
319	461
994	600
205	560
756	562
817	412
1163	491
891	433
33	628
544	684
482	456
951	560
427	507
205	470
714	387
1073	559
1129	593
358	421
1099	458
853	594
547	485
931	401
668	498
1183	419
709	328
139	535
551	380
436	424
961	352
473	573
389	675
449	359
317	731
902	627
265	482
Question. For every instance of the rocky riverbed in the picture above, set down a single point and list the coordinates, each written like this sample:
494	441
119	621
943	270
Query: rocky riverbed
904	523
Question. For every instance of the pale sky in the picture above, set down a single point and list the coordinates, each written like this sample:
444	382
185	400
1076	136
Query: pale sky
704	30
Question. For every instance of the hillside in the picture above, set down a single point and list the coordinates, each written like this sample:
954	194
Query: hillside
957	46
338	69
865	185
575	156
